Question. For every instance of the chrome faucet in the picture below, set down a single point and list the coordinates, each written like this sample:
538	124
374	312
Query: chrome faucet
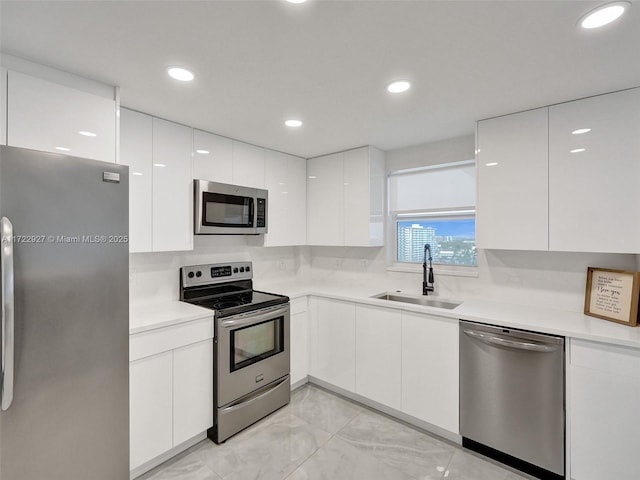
427	279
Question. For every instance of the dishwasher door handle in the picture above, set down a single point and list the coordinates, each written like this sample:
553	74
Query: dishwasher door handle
505	342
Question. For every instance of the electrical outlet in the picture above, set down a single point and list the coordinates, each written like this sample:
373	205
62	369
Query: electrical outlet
281	264
132	277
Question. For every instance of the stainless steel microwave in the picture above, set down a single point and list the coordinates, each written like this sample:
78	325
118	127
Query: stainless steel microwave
224	209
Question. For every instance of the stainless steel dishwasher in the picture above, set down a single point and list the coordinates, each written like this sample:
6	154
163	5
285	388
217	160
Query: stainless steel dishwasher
512	397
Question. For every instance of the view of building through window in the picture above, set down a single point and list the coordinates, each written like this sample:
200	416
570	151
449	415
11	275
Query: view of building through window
452	241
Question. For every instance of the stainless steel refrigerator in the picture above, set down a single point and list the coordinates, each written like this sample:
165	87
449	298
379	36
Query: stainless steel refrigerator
65	318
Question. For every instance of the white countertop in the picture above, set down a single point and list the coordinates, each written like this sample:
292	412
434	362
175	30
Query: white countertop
558	322
157	315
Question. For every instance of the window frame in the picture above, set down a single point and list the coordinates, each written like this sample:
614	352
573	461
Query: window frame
394	217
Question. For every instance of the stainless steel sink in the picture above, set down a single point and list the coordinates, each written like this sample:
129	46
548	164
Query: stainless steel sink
426	301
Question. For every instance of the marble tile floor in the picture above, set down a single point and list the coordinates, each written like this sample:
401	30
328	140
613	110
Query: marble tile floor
322	436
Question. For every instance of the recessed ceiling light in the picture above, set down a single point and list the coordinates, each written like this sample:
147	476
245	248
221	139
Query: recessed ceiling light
293	123
577	150
181	74
63	149
87	134
159	165
296	1
136	173
312	176
203	152
492	164
603	15
580	131
398	87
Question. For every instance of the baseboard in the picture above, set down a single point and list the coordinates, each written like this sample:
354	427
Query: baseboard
392	412
153	463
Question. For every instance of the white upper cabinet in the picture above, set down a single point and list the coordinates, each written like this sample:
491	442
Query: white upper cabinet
3	106
212	157
136	134
325	215
363	182
512	163
286	180
172	187
248	165
345	198
47	116
594	176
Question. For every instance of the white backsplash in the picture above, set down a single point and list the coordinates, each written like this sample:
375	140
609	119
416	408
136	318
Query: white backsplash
154	277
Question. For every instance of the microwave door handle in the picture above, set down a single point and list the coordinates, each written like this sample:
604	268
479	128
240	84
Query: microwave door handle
252	213
6	271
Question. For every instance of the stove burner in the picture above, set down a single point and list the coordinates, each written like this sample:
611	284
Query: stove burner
226	304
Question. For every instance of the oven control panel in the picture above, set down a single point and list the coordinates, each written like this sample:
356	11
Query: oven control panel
215	273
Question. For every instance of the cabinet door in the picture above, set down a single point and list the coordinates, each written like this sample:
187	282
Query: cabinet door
47	116
512	162
212	157
248	165
325	216
594	176
603	392
136	151
299	341
192	390
3	106
364	180
430	369
378	354
150	407
286	180
333	343
172	187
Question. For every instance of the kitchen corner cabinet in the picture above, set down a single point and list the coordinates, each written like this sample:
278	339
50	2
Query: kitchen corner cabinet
3	106
512	170
248	164
47	116
286	180
430	369
594	176
212	157
604	387
345	198
333	342
171	388
158	153
379	355
299	326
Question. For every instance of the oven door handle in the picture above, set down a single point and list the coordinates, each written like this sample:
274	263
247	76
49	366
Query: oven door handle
253	317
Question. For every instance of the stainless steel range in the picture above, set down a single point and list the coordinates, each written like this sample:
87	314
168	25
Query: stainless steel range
251	345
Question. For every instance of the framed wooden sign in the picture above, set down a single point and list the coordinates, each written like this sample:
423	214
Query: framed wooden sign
613	295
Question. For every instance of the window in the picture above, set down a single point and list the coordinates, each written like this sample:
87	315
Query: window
434	205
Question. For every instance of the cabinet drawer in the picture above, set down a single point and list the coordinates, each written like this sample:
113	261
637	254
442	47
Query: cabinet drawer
152	342
298	305
606	358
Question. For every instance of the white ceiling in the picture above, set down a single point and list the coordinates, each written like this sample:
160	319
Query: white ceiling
328	62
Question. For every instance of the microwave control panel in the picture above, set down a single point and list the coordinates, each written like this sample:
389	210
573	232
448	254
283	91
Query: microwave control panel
261	212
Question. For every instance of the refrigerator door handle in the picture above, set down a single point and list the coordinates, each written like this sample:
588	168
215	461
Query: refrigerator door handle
6	267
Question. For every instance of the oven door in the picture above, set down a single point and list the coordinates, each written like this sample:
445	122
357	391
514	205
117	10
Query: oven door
252	351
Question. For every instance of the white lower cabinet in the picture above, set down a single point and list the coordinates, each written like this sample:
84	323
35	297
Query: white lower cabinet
604	388
430	369
170	390
150	407
333	334
378	354
192	390
299	335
